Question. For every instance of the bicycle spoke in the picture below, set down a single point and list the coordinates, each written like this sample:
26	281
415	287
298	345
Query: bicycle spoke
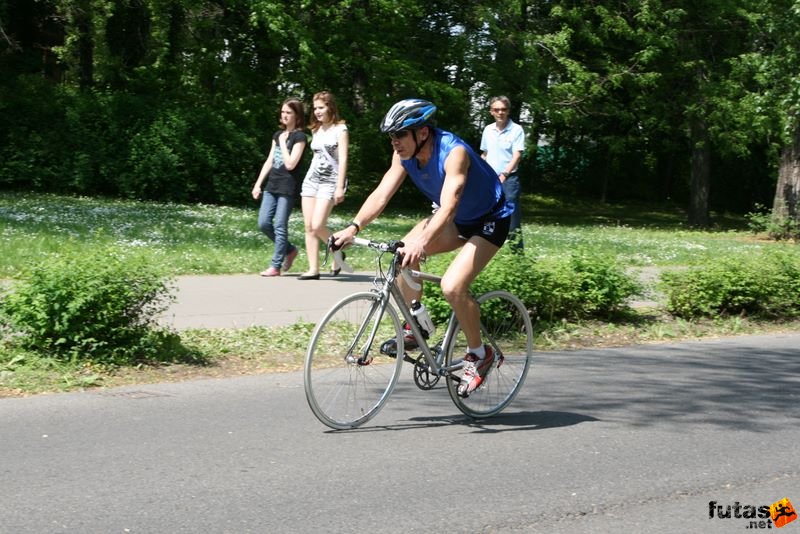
347	379
506	327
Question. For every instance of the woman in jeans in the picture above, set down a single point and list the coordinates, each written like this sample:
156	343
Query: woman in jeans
282	173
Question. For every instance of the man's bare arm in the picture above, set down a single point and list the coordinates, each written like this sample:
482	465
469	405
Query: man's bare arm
376	202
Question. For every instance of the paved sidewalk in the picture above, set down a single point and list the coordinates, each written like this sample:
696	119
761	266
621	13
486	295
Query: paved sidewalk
242	300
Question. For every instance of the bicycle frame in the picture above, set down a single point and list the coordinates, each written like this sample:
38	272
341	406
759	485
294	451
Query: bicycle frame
391	289
348	377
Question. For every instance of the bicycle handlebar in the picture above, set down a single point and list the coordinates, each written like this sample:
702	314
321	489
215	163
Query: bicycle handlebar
389	246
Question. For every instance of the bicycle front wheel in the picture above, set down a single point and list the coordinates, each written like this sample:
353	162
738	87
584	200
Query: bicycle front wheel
506	327
347	380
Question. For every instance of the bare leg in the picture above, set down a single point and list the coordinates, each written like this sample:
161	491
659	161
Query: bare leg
315	218
446	241
466	266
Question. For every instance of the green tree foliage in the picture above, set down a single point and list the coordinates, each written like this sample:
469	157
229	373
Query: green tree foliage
177	99
777	61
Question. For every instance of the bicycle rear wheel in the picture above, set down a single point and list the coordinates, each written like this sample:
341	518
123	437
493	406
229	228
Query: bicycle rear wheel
506	327
347	380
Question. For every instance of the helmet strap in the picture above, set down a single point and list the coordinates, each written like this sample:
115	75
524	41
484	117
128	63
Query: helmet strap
417	143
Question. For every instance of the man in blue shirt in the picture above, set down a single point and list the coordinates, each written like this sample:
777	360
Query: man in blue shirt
473	215
502	145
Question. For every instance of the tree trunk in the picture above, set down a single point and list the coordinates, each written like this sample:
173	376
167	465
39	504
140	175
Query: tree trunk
83	22
787	192
699	182
177	22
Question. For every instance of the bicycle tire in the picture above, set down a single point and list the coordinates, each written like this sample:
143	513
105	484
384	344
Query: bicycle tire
506	326
343	391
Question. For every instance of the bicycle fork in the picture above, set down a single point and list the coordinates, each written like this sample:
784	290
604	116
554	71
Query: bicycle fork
375	315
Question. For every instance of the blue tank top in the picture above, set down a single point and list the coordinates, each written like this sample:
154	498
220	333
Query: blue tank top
483	191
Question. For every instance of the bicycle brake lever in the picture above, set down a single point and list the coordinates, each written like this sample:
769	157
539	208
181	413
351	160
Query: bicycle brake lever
332	244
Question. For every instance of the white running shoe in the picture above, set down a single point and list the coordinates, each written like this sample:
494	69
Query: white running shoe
475	370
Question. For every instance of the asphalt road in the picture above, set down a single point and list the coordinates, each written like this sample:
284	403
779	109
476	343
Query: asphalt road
638	439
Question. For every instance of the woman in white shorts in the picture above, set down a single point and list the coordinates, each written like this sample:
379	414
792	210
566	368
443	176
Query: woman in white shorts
326	180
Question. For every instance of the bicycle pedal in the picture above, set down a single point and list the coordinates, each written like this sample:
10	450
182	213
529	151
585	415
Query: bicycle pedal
409	359
389	348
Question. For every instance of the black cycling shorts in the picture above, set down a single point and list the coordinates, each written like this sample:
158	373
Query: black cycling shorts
495	232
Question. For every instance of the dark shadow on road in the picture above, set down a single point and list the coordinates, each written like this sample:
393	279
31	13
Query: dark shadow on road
503	422
342	277
750	384
514	421
734	383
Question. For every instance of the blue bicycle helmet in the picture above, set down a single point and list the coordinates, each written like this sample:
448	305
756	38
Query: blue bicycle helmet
408	114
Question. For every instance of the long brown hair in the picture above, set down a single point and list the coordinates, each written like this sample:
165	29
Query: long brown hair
333	110
296	105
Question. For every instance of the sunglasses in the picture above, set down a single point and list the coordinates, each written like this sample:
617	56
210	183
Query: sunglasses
499	109
399	135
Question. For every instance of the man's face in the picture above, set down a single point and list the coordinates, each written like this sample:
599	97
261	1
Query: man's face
499	111
403	142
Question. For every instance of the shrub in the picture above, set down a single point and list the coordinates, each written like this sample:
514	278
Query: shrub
577	286
765	285
763	221
583	285
99	307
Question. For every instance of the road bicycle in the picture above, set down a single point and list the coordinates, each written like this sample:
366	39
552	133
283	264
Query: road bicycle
348	379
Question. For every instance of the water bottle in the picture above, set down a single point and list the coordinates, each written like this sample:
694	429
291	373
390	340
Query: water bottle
420	313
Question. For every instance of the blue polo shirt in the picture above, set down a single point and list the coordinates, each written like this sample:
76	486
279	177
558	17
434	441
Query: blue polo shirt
500	145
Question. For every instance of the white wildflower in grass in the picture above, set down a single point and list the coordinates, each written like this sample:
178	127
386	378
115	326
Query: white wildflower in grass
135	243
695	246
201	238
246	234
17	216
641	259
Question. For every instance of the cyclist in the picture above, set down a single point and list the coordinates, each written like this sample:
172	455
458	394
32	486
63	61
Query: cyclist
471	213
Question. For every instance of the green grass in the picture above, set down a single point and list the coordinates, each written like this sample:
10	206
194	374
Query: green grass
187	239
202	239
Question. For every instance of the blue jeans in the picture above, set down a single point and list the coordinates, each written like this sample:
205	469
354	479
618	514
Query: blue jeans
511	189
276	208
